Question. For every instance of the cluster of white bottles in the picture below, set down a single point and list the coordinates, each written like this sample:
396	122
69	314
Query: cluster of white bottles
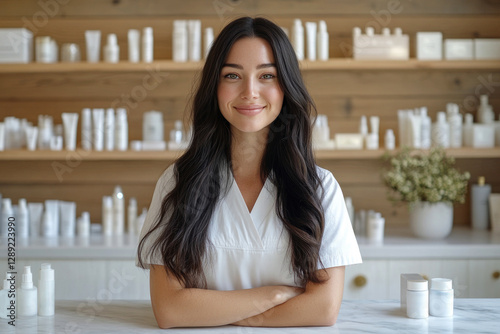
370	46
186	40
104	129
113	214
366	223
317	40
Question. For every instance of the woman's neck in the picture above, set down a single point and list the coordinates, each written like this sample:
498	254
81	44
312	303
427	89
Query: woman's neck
247	151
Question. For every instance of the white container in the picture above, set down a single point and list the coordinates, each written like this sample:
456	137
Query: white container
349	141
109	130
298	38
16	45
83	225
43	51
118	211
323	41
107	215
429	45
415	129
458	49
93	44
132	216
180	41
121	130
68	218
375	227
152	128
98	129
194	31
390	140
112	50
50	219
311	30
441	297
70	122
87	129
487	48
404	278
134	52
31	137
455	122
426	125
480	194
485	112
22	219
483	135
208	41
441	131
27	295
70	53
147	45
35	213
46	290
468	129
417	299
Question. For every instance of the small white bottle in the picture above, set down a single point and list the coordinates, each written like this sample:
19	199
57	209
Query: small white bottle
390	140
441	131
441	297
485	113
375	227
6	302
468	129
194	31
180	41
132	216
46	290
107	215
83	225
177	135
112	50
133	36
109	130
455	122
417	299
22	223
147	45
208	41
118	211
27	295
425	124
323	41
121	130
152	126
87	129
480	194
298	38
372	138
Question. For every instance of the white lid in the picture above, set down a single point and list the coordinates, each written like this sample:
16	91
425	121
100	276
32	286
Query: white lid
441	117
27	278
107	201
441	284
370	31
423	111
297	22
322	26
86	216
484	99
389	133
112	39
46	272
148	31
132	201
386	31
356	31
418	285
398	31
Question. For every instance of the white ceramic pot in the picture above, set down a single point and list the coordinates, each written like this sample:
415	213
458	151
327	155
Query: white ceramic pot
431	220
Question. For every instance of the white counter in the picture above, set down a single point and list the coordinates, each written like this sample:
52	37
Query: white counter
398	244
470	316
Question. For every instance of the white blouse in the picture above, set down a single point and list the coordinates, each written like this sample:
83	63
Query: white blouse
250	249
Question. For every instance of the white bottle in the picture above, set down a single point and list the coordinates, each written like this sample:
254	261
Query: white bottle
121	130
298	38
311	31
109	130
22	219
132	216
107	215
194	31
425	124
147	45
46	290
180	41
152	126
390	140
441	297
372	137
7	216
83	225
118	211
417	299
86	129
323	42
485	113
209	40
455	122
177	135
112	50
375	227
27	295
7	301
441	131
480	194
133	36
468	130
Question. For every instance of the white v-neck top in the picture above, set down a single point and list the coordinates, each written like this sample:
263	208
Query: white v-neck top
250	249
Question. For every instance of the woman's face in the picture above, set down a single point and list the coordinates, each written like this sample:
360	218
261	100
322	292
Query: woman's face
249	95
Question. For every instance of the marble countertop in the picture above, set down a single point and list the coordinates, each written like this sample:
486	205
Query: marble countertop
470	316
463	243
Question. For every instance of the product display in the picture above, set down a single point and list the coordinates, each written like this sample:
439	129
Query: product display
147	45
458	49
487	48
370	46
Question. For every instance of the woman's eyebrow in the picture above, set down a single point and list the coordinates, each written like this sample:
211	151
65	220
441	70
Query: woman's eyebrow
266	65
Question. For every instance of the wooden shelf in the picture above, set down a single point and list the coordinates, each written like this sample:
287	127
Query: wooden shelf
331	64
24	155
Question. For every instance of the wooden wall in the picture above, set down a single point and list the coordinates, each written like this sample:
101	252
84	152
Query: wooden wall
344	95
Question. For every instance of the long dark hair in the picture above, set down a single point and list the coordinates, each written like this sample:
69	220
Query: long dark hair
200	173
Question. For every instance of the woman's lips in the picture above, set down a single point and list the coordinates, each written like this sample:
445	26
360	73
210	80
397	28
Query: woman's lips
249	110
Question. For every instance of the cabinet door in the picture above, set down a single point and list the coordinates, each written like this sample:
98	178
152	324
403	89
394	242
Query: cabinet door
484	278
367	280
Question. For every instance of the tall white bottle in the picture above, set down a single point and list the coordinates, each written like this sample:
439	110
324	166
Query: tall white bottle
180	41
121	130
27	295
194	31
323	41
208	41
311	32
455	121
441	131
112	50
22	223
118	211
87	129
147	45
46	290
480	214
107	215
298	38
468	129
109	130
425	125
485	113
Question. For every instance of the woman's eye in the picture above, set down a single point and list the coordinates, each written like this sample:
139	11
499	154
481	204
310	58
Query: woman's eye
268	76
231	76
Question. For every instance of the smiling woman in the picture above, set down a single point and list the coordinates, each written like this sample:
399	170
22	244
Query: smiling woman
244	228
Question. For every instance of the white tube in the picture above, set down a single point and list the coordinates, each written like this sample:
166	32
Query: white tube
83	225
2	137
121	130
109	130
87	129
416	130
22	224
35	211
209	39
68	218
107	215
180	41
194	29
147	45
323	42
402	116
46	290
298	38
31	137
70	121
133	45
50	223
98	130
311	30
93	43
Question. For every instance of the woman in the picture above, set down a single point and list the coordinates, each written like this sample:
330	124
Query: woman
244	228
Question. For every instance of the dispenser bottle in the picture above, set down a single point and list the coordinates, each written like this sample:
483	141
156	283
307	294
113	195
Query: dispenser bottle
27	295
468	129
46	290
390	140
480	207
112	50
441	131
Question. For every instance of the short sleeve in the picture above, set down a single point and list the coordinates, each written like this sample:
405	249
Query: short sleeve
164	185
338	246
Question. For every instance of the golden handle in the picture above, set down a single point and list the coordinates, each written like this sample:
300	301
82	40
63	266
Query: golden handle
360	281
425	277
496	275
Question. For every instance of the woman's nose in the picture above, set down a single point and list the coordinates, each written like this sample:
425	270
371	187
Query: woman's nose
250	89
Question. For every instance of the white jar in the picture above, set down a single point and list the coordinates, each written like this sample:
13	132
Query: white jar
441	297
417	299
152	128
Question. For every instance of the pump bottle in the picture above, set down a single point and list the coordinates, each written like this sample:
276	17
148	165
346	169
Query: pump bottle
27	295
112	50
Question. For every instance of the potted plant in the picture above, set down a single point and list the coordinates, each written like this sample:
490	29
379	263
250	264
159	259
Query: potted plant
430	184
